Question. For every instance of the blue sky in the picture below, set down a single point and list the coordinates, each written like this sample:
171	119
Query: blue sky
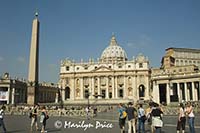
81	29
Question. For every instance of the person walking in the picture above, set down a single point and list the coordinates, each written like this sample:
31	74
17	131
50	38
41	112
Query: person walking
43	118
2	117
131	113
122	117
157	122
149	117
34	115
189	111
87	111
181	119
141	119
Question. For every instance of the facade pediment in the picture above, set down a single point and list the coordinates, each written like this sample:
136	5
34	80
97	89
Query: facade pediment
102	68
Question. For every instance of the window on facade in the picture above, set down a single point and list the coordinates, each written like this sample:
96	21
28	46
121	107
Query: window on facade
110	67
110	94
86	94
129	66
177	60
77	68
77	92
67	68
121	93
96	95
95	67
103	93
119	66
140	65
141	91
95	80
67	93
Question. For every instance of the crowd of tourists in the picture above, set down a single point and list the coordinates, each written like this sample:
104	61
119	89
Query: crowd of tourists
38	116
136	117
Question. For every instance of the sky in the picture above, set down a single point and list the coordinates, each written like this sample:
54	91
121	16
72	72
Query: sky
82	29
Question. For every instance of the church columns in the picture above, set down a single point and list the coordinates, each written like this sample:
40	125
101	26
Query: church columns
186	91
179	93
99	89
72	89
13	96
81	88
134	86
198	90
156	93
125	88
107	86
92	87
113	87
193	92
8	100
147	89
116	87
168	93
63	82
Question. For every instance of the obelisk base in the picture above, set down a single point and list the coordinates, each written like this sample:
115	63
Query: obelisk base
32	95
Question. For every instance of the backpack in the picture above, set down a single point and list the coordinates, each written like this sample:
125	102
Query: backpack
124	114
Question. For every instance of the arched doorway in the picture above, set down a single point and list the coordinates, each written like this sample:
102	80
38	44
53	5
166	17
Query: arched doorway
141	91
67	93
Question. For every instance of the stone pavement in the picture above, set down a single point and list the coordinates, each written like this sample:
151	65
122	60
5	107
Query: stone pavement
103	123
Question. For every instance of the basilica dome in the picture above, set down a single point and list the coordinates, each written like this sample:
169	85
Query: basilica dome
113	52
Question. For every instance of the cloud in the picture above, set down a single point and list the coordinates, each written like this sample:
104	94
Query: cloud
142	41
52	65
132	44
1	58
21	59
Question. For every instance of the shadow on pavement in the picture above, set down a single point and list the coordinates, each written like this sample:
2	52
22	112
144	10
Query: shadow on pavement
53	130
16	131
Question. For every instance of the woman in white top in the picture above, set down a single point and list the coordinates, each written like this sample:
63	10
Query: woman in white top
181	119
190	113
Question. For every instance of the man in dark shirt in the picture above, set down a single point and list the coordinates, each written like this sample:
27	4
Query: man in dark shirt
157	117
131	113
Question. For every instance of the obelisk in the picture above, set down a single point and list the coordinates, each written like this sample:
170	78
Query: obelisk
33	86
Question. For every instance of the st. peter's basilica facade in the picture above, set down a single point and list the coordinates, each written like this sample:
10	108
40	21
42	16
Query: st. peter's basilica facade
110	80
